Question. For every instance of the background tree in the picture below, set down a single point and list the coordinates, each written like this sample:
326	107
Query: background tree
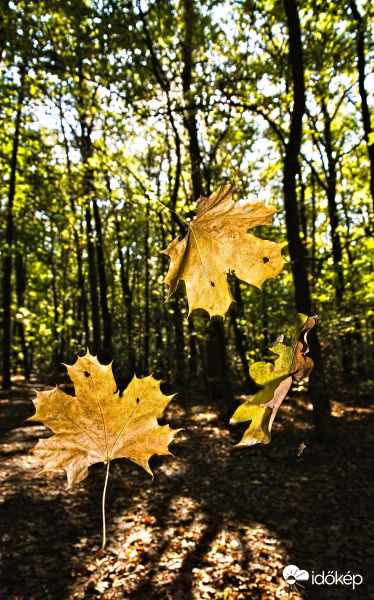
116	116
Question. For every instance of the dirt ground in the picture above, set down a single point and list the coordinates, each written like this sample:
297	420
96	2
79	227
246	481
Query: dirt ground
215	523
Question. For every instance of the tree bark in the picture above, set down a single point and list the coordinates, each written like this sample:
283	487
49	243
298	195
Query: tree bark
361	64
107	319
21	286
217	369
146	291
240	342
126	293
86	152
190	114
55	353
82	300
333	209
9	236
321	407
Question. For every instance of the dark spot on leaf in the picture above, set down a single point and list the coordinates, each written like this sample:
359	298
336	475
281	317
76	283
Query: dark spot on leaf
212	284
137	400
86	373
265	259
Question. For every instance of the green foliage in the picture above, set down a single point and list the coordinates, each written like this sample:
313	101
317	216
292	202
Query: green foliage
104	119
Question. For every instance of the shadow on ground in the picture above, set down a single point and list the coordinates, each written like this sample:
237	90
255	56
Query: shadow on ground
216	522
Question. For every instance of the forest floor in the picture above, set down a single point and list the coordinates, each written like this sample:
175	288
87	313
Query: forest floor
215	523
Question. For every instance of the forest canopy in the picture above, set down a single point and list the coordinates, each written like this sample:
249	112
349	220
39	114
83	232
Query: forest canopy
116	116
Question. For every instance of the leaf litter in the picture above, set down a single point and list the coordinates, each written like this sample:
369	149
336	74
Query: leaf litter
209	531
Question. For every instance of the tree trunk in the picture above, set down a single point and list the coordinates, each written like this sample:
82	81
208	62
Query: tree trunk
165	312
337	253
333	210
146	291
190	114
363	94
107	320
21	286
86	151
217	368
82	301
303	303
314	217
126	293
55	353
240	341
9	235
179	342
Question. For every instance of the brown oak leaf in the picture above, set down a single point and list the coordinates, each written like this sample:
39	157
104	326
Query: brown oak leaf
217	243
275	380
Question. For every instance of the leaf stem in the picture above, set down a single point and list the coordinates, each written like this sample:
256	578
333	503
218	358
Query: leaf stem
173	211
103	505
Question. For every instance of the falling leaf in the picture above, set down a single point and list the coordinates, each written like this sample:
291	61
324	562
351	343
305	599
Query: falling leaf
100	424
217	243
275	380
301	449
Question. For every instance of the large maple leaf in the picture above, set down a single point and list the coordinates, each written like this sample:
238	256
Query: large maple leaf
275	380
99	424
217	243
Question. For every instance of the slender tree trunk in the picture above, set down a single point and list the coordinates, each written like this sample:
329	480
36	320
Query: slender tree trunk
190	114
179	342
9	235
363	94
146	291
192	371
127	296
355	335
241	350
82	308
165	313
4	19
333	210
303	303
265	322
64	334
21	286
314	216
55	355
337	253
240	342
217	367
303	220
107	319
86	151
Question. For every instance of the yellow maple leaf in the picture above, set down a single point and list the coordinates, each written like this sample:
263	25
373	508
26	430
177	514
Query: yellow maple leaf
217	243
99	424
